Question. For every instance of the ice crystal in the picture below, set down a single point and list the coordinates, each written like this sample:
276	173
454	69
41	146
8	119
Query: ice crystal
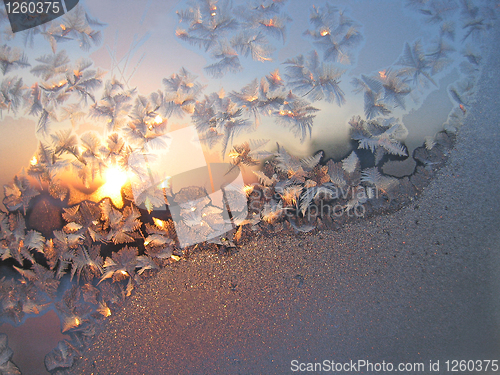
314	79
12	91
228	61
415	64
51	65
6	353
18	194
76	25
121	265
264	16
253	45
395	89
87	261
181	93
334	33
114	105
248	153
379	138
350	163
439	56
122	225
221	116
12	58
298	115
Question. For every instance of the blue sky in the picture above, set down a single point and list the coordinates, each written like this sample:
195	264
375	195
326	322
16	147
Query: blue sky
150	26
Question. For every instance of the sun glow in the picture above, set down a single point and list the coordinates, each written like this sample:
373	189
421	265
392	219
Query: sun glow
248	189
158	120
269	23
159	223
234	154
114	179
106	311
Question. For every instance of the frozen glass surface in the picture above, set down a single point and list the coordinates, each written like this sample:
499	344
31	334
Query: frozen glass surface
249	186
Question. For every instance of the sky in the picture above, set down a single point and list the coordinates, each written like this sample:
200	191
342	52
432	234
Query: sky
386	26
139	47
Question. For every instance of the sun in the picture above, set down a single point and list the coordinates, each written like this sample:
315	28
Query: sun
114	179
